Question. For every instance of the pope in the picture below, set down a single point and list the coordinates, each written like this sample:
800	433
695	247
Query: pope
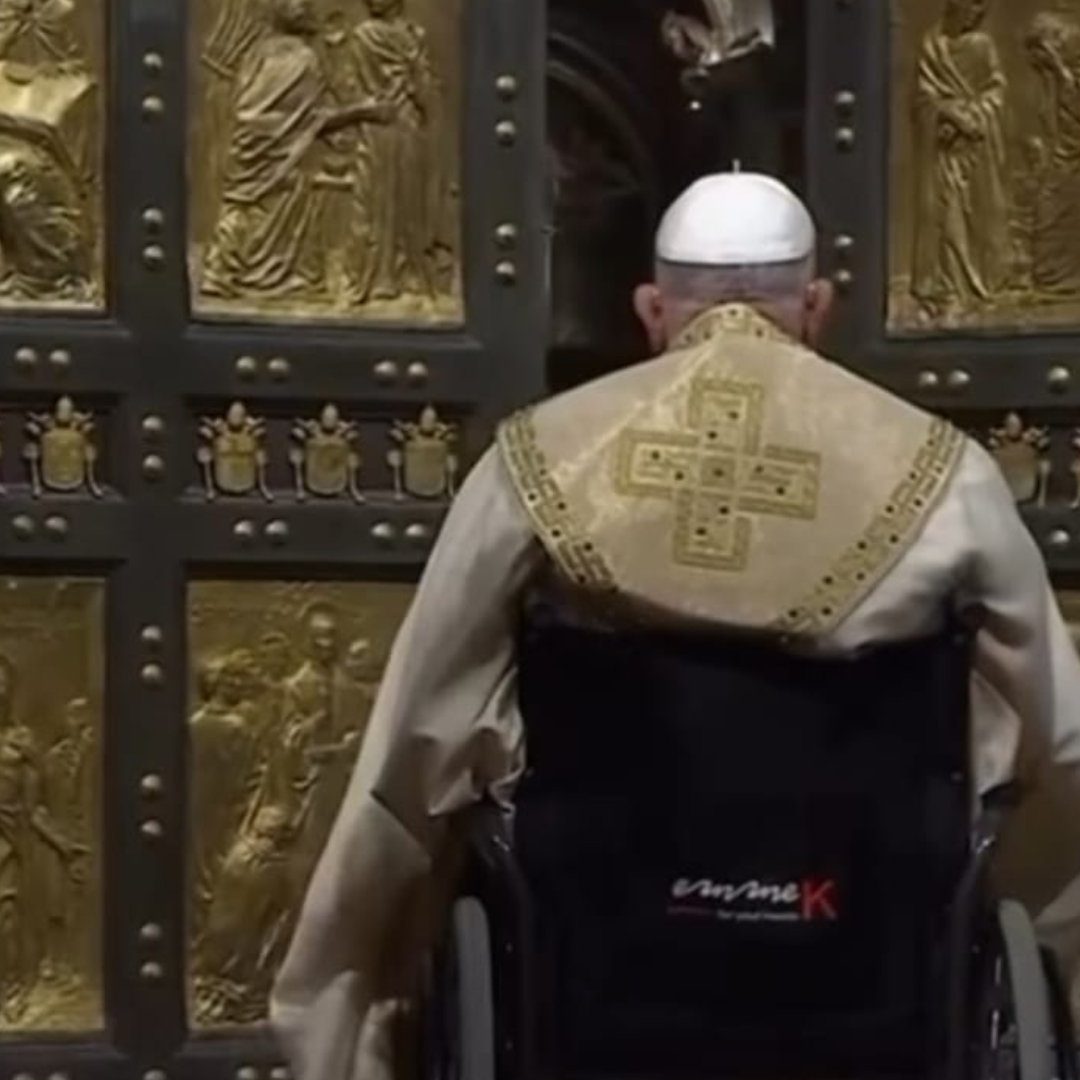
739	480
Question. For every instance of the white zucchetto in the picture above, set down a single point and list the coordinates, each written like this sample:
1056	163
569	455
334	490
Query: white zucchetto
736	219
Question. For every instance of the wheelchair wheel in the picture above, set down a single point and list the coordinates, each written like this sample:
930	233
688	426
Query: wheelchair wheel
474	1003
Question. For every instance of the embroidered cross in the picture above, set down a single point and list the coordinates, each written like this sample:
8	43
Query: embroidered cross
717	474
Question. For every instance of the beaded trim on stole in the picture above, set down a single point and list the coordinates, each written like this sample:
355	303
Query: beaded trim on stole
570	549
886	538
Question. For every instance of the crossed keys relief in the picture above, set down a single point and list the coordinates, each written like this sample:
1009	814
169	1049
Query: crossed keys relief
717	475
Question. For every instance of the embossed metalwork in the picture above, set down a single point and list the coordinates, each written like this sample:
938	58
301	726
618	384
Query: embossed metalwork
51	673
284	681
233	456
52	125
423	463
324	160
1020	452
60	451
985	155
326	460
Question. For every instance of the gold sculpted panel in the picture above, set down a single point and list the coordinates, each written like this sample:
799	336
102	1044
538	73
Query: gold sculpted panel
283	681
52	80
985	165
51	674
325	160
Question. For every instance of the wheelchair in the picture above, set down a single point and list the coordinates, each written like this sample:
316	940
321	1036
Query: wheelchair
729	860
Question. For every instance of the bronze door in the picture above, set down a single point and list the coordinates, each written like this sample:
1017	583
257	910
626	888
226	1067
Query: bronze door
269	271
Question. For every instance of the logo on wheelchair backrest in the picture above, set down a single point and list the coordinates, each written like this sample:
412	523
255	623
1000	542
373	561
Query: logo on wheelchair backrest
803	901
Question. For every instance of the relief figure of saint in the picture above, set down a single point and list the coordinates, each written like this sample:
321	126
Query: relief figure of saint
961	252
402	183
1053	48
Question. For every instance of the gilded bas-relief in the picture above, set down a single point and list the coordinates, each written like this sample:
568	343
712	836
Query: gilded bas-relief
984	165
52	79
51	673
325	159
284	678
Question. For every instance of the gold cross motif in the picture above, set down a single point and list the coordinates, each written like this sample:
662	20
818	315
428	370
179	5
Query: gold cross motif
717	475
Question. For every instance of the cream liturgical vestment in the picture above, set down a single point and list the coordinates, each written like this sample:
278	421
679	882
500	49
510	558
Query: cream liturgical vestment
739	479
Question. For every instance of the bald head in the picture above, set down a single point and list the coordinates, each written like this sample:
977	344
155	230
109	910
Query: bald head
735	238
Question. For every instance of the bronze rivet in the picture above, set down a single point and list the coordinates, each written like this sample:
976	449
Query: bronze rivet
844	243
384	532
418	533
153	63
151	933
277	532
506	132
153	256
246	368
844	101
152	829
153	467
60	358
247	1072
280	368
23	526
958	380
153	427
23	1076
843	279
151	786
153	219
151	636
26	357
1058	378
386	371
153	106
1058	539
418	373
244	531
506	86
506	235
155	1074
152	675
279	1072
151	971
56	525
59	1076
845	138
928	380
506	272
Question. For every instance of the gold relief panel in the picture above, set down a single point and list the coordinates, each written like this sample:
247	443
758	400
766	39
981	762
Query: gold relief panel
984	165
283	680
52	119
51	674
324	160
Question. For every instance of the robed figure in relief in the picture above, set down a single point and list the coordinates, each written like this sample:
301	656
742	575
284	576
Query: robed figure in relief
961	224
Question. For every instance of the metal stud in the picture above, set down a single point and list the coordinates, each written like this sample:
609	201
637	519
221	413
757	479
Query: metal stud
844	243
384	532
23	526
151	786
1058	378
153	63
152	829
153	256
418	533
26	357
57	527
506	234
244	531
845	138
23	1076
151	971
152	675
247	1072
506	133
928	380
153	467
844	279
280	368
60	359
844	101
153	107
418	373
153	427
151	636
386	371
958	380
506	272
279	1072
151	933
277	532
153	219
246	368
506	86
59	1076
1058	539
155	1074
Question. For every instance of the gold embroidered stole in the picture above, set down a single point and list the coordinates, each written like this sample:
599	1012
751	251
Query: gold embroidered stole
740	479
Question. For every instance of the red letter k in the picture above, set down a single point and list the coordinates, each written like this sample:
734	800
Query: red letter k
818	899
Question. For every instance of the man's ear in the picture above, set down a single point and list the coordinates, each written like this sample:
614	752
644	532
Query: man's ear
818	304
649	306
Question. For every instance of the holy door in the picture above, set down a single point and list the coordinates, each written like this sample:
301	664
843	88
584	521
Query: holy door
269	271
